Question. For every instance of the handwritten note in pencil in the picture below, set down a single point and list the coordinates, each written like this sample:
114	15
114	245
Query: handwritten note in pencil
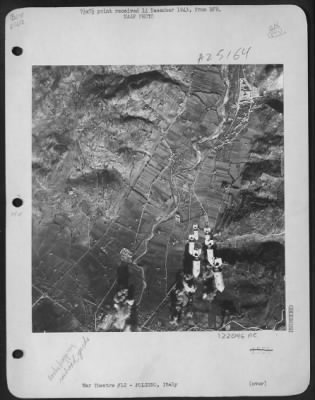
71	357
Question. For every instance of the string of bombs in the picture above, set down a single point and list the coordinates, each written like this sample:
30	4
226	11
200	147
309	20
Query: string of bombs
213	264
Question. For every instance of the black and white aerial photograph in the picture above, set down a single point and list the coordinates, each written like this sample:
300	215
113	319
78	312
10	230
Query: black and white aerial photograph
158	198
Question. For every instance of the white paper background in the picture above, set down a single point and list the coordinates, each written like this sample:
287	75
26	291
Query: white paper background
199	362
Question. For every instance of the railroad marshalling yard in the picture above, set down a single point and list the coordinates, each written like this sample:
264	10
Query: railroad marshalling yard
138	156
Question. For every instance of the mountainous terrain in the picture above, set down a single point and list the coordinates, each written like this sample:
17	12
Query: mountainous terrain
133	156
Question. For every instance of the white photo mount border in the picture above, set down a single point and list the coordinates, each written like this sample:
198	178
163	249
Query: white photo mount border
50	37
